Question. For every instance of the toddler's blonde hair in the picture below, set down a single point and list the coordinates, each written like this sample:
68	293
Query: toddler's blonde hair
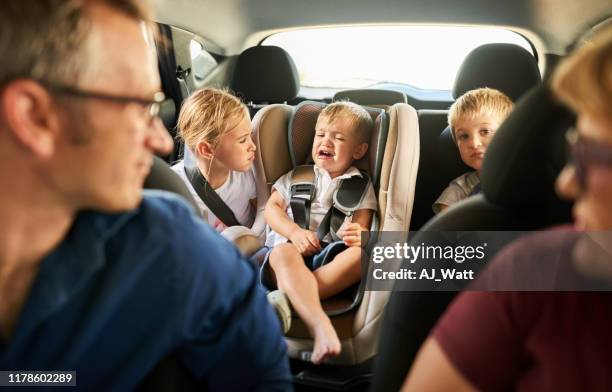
357	115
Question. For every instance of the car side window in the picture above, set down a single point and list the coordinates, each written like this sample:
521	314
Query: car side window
202	62
192	57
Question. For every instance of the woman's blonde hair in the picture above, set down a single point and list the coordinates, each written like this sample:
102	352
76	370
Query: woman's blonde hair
478	102
584	80
207	114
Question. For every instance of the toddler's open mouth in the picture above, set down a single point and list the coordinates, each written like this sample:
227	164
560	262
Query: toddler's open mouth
325	154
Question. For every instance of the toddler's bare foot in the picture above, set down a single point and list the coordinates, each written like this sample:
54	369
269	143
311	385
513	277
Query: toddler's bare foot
326	343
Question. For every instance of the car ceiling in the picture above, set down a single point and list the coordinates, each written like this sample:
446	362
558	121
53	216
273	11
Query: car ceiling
233	25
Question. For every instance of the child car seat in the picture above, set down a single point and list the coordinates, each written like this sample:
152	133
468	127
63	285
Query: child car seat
283	135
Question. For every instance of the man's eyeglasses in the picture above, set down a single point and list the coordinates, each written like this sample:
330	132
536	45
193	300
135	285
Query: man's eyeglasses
152	106
586	152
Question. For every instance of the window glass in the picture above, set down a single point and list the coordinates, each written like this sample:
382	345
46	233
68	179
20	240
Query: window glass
202	62
423	57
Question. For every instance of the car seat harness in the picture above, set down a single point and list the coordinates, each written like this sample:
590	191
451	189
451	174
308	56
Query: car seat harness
346	200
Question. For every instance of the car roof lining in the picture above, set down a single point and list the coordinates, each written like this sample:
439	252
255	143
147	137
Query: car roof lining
230	24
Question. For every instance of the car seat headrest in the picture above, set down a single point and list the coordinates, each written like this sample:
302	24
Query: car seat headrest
372	97
265	74
302	130
505	67
526	155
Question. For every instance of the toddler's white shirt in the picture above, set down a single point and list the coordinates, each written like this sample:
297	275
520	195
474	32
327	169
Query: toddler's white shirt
325	187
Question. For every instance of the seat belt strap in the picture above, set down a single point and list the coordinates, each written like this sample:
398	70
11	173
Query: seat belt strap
331	223
346	200
211	198
323	228
302	191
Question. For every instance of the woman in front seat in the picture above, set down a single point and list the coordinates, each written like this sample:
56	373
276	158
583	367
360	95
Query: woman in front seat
544	341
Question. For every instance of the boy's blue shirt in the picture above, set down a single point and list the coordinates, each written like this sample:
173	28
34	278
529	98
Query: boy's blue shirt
123	291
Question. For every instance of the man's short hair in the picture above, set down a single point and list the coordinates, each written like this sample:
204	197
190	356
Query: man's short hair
207	114
357	115
46	40
479	102
584	79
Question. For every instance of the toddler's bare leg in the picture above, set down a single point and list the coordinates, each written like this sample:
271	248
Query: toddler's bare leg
300	285
342	272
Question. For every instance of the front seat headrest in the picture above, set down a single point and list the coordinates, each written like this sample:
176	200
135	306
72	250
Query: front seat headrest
527	154
505	67
265	74
372	97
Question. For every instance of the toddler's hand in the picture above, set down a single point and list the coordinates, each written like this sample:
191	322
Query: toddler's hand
306	241
351	234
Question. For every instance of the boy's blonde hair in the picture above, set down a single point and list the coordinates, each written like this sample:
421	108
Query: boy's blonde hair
207	114
357	115
584	79
479	102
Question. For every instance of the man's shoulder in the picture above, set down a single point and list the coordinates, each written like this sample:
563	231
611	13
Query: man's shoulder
166	218
167	206
156	209
166	225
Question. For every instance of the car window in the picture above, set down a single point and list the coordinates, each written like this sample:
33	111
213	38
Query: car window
419	57
191	55
202	61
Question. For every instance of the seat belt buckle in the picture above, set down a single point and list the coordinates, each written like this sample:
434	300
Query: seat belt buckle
302	191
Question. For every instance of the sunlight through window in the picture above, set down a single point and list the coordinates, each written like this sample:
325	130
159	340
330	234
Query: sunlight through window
425	57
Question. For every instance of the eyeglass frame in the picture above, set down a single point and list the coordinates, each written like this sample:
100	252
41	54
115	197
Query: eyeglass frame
586	152
152	106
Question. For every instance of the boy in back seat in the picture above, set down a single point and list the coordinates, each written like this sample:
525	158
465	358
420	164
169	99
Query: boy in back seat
473	118
342	134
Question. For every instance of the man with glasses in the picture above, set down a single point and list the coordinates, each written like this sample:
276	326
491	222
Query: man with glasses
95	277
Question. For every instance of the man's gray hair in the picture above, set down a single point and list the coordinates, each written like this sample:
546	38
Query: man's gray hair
46	40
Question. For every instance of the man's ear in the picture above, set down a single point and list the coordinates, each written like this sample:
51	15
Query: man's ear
360	151
205	150
30	116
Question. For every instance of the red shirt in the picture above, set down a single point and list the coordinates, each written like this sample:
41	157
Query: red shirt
531	341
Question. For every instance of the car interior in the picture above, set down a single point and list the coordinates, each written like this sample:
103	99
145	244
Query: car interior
412	156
